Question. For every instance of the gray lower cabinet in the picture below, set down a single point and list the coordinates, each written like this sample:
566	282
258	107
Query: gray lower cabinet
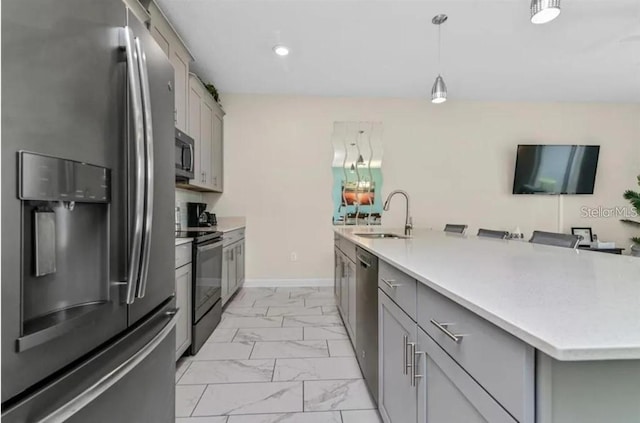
397	398
337	274
183	303
345	291
184	280
233	265
229	282
225	275
446	393
439	362
351	309
240	265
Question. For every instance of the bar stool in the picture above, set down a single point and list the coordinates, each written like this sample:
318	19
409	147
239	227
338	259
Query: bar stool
489	233
456	229
555	239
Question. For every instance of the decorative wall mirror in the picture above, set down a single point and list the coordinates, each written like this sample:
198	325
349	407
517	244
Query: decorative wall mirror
357	173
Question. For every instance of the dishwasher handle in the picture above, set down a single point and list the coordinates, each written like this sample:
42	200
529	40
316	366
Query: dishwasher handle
364	261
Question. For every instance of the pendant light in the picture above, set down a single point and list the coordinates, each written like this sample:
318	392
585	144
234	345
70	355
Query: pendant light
543	11
439	90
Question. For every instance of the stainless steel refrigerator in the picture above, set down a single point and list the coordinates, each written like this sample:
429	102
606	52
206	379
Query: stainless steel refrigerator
87	215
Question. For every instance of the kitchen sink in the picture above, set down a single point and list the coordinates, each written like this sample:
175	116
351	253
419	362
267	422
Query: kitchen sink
381	235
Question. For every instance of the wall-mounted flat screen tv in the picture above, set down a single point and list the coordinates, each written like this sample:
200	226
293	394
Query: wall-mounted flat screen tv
556	169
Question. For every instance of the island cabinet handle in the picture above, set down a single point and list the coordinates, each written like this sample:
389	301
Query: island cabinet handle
414	354
390	284
444	328
405	342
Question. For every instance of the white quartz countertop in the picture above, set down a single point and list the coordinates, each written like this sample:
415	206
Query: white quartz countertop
225	224
570	304
180	241
228	224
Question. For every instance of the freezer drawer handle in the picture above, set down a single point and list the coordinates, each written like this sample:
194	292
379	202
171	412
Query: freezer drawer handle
94	391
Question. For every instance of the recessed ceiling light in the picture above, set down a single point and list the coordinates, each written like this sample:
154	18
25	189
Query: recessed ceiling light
281	50
543	11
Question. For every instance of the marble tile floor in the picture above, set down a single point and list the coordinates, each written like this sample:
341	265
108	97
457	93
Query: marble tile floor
280	355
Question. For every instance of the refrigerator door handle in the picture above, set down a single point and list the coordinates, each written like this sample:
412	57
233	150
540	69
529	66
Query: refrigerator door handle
133	76
148	131
107	381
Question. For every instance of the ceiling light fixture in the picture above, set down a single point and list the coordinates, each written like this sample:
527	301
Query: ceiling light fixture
439	90
281	50
543	11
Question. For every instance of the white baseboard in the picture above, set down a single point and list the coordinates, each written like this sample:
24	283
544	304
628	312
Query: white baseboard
269	283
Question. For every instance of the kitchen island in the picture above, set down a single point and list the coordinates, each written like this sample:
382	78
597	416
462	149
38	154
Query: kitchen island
503	330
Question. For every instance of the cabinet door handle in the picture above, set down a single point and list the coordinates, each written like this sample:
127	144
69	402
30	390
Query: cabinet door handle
444	328
390	284
405	364
414	375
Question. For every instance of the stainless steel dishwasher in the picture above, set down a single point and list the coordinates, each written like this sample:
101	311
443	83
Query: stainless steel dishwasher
367	318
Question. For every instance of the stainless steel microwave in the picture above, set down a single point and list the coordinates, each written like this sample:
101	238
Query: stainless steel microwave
184	156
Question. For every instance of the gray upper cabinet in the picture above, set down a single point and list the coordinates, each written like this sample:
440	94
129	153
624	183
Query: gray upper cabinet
205	126
195	112
179	56
446	393
397	397
217	150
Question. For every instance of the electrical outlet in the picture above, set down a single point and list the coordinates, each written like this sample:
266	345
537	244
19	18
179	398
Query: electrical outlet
294	256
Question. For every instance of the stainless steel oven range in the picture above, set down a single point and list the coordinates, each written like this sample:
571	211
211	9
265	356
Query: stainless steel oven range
207	285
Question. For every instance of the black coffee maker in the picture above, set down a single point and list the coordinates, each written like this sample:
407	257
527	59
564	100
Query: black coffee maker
196	215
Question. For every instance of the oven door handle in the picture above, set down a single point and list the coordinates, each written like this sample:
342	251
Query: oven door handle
207	247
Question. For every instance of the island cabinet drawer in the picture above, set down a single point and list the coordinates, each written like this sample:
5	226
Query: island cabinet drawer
183	254
502	364
400	287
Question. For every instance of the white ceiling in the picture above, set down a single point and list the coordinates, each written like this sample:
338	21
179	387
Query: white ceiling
389	48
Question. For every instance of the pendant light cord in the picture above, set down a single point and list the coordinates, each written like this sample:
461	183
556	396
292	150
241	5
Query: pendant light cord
439	48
